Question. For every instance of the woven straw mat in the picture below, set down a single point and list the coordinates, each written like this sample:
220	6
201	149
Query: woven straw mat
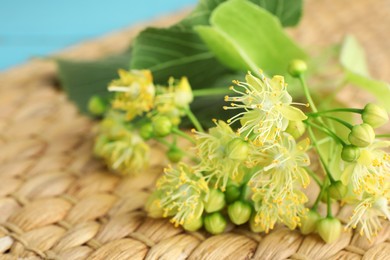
58	202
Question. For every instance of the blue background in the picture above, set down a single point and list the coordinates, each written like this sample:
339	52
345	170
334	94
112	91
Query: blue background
31	28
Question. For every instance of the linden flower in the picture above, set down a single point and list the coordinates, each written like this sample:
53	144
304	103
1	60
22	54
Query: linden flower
174	99
182	193
135	92
267	106
122	149
366	215
283	164
370	171
273	205
221	158
275	187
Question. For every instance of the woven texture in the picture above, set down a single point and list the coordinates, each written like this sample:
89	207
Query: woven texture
58	202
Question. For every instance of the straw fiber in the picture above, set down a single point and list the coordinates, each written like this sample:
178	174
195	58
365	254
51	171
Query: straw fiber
58	202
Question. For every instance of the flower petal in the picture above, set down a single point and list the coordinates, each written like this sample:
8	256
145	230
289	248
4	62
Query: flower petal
292	113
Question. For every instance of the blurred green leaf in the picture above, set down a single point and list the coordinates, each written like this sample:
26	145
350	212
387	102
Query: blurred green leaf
253	39
84	79
353	60
289	12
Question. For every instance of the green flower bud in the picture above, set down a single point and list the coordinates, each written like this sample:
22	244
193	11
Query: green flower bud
152	206
239	212
237	149
215	223
232	193
297	68
296	129
174	155
215	201
374	115
97	105
162	126
254	226
337	190
193	224
350	153
309	222
329	229
361	135
146	131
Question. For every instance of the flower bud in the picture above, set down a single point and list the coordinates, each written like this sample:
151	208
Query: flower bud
232	193
239	212
215	223
215	201
237	149
255	227
297	68
183	95
296	129
329	229
350	153
174	155
337	190
193	224
146	131
152	206
361	135
97	106
374	115
309	222
162	126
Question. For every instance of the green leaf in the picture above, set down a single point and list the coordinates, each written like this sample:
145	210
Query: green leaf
353	60
168	52
352	56
253	39
380	89
84	79
289	12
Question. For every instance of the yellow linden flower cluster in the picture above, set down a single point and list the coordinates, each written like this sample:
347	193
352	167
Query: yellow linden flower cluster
254	167
139	111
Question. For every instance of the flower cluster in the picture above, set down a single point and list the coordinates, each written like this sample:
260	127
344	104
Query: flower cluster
139	111
254	174
254	167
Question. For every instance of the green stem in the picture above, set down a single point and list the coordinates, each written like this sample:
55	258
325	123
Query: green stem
183	134
327	131
314	176
307	93
344	123
323	163
351	110
329	206
383	136
194	120
318	199
210	92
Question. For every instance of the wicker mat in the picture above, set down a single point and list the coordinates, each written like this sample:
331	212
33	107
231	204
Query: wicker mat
58	202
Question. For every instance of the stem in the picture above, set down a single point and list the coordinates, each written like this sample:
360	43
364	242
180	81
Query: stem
327	131
351	110
383	136
183	134
327	171
307	93
194	120
318	199
314	176
344	123
209	92
329	206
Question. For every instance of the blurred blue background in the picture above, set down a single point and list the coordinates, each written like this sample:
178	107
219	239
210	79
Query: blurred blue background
40	27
